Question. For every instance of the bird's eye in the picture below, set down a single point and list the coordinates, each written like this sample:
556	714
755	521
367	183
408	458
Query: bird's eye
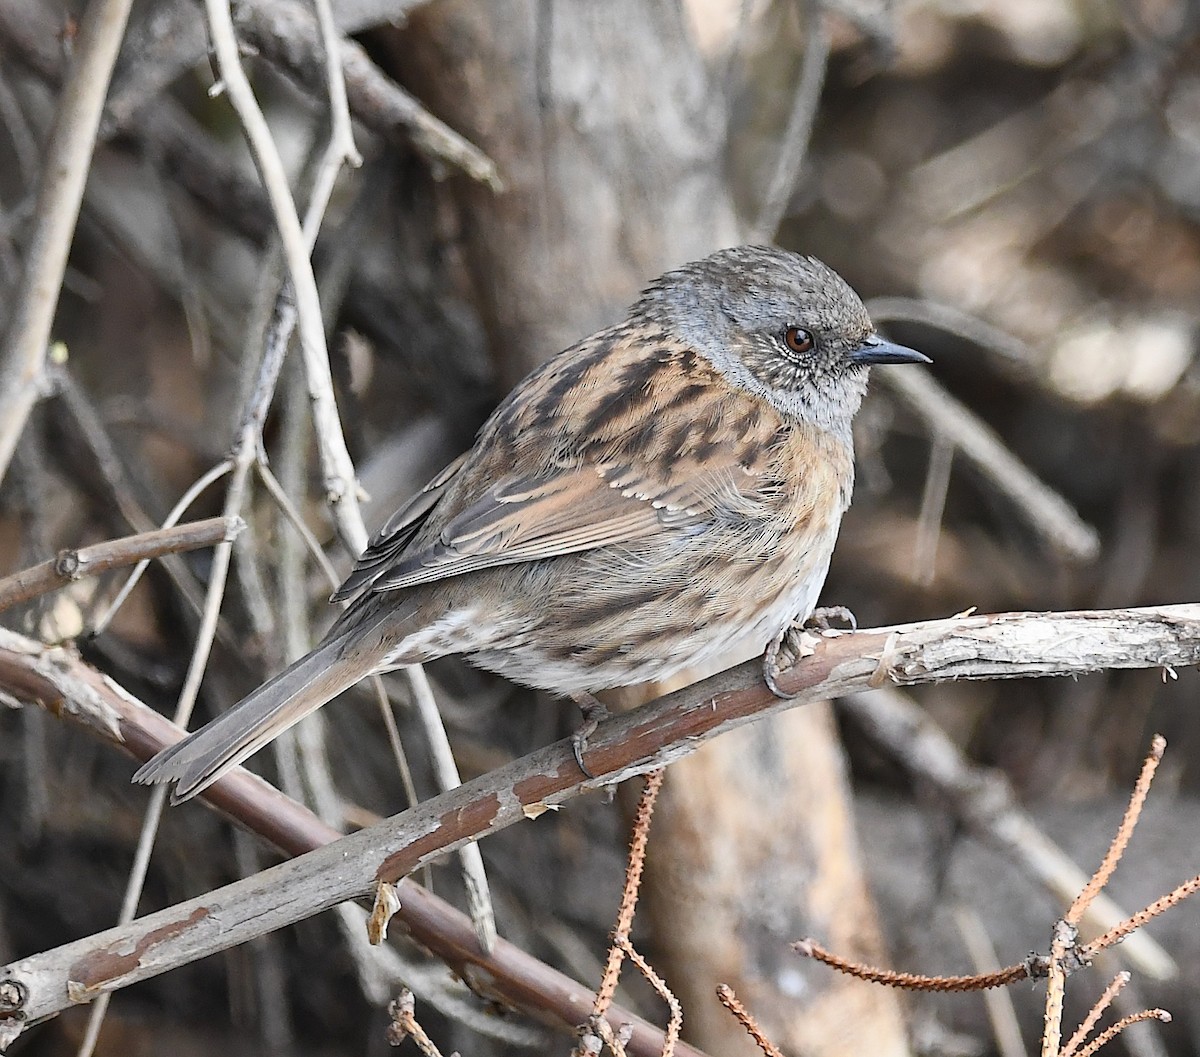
798	339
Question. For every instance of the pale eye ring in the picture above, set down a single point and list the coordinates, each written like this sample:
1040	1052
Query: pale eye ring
798	339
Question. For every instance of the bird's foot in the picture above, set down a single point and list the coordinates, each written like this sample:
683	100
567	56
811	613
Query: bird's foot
791	646
594	711
822	619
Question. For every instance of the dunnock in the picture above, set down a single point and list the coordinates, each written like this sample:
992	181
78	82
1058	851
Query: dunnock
664	491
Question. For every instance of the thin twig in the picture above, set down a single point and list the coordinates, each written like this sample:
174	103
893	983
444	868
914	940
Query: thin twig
64	174
404	1025
73	563
933	507
982	800
446	774
1061	942
1006	1029
1043	508
629	894
810	948
1136	921
177	511
1121	840
286	32
1016	355
289	511
1106	1037
793	147
730	1001
341	485
675	1022
1095	1013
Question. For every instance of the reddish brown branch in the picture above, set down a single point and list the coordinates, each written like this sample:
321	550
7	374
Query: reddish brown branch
910	981
511	977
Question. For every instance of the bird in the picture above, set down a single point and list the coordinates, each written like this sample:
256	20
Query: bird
662	493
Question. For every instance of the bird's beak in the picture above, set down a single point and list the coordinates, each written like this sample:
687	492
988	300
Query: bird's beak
876	350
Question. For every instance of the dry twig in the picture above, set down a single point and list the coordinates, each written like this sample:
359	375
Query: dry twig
64	174
71	564
404	1025
621	948
982	800
730	1001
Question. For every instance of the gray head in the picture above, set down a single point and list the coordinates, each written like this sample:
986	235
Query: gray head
784	326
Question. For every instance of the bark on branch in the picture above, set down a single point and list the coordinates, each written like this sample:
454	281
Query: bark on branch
972	647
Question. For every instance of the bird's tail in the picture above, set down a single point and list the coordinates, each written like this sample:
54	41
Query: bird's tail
197	761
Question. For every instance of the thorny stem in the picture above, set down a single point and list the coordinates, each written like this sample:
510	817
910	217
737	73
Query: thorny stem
730	1001
629	894
1121	840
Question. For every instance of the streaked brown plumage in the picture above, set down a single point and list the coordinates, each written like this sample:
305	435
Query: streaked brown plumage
663	491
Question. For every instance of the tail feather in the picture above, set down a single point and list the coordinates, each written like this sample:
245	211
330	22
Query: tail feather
197	761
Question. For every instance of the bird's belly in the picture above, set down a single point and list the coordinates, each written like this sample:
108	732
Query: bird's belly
624	630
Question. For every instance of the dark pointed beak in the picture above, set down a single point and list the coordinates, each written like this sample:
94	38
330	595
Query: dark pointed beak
876	350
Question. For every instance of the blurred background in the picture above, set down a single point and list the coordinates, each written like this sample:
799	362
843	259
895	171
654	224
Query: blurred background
1013	185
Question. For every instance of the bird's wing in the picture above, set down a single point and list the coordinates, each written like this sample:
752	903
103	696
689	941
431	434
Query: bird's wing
397	533
605	445
595	504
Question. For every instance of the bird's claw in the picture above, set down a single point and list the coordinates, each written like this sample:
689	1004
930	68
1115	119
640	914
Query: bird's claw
790	641
594	711
822	619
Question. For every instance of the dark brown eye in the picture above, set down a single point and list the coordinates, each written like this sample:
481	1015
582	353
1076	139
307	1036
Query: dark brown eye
798	339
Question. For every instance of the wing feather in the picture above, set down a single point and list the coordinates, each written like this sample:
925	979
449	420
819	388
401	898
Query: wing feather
561	469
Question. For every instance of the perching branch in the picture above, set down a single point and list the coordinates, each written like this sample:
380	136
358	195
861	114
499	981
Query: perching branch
58	681
976	647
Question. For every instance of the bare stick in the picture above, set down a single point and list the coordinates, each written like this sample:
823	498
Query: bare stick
933	506
1063	940
675	1023
177	511
446	772
1106	1037
341	485
1095	1013
64	174
742	1015
341	147
629	894
1043	508
284	31
1125	930
1121	839
404	1025
1016	354
633	743
72	564
810	948
1006	1029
